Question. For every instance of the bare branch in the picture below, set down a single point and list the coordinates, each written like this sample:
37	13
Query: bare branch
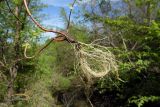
97	40
134	46
22	95
70	13
56	39
2	64
39	25
63	37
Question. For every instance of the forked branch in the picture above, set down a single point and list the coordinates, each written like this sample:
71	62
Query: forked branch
41	27
63	35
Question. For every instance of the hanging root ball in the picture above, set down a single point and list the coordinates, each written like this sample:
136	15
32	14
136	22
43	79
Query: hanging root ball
95	61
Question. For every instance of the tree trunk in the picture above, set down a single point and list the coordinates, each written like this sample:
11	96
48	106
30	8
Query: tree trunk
148	14
13	69
10	92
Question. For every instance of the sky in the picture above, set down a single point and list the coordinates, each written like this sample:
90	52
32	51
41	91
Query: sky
52	12
58	3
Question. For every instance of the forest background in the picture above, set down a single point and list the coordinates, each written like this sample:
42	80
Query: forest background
131	28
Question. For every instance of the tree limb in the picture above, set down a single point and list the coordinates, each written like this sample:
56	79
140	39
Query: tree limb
39	25
70	13
63	37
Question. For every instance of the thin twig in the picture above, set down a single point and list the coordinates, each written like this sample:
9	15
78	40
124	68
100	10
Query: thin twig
101	39
39	25
2	64
126	49
70	13
134	46
90	102
25	50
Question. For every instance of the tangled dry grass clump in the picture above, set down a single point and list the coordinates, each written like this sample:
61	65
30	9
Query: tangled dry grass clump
95	61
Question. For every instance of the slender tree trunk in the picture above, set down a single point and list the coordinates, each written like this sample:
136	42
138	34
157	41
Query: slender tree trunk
13	69
148	14
17	35
17	52
10	92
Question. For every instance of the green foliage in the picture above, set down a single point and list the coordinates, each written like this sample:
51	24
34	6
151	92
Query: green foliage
39	94
136	46
17	72
60	83
141	100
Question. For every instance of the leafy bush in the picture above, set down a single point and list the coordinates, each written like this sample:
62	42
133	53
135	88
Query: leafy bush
141	100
